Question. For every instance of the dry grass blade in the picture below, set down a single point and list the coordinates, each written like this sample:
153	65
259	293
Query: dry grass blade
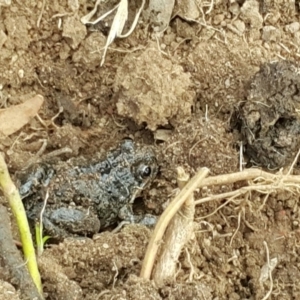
118	22
134	22
86	19
117	26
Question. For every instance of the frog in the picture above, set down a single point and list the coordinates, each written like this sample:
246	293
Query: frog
81	200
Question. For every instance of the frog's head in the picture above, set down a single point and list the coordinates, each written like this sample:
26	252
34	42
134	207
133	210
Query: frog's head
145	169
143	160
139	167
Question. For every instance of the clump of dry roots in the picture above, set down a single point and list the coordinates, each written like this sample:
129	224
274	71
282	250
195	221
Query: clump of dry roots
175	226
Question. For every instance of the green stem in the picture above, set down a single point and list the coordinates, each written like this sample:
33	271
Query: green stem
12	194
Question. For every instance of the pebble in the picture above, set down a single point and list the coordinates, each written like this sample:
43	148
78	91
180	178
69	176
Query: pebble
270	33
293	27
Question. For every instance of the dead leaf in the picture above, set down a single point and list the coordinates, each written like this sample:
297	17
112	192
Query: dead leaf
15	117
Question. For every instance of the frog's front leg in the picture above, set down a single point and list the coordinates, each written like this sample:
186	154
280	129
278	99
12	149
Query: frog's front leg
40	175
63	221
126	214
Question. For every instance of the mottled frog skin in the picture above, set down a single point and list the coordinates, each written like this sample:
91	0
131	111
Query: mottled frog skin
82	199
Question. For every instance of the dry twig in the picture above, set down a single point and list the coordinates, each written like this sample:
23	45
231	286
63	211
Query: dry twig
262	182
165	219
269	268
177	235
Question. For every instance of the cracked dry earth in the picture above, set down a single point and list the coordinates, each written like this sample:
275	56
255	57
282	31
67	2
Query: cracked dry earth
177	91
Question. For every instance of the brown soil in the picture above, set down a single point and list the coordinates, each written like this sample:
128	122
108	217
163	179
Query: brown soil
176	91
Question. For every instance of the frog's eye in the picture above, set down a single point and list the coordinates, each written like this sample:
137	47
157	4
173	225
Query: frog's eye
145	171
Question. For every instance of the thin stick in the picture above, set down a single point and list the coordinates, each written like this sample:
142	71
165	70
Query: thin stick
241	157
210	7
101	17
39	238
134	22
217	209
41	14
248	174
269	271
237	229
164	220
243	190
85	19
294	162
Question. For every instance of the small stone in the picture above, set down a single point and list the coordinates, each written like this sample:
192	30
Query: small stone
266	46
206	242
3	38
218	19
297	37
270	33
169	38
64	51
74	30
74	5
223	23
21	73
227	83
293	27
250	14
5	2
273	18
187	10
234	8
240	25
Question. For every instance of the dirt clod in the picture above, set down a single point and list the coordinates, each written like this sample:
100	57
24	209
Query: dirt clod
74	30
153	89
269	118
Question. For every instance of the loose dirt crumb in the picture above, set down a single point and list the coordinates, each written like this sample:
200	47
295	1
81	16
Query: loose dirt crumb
8	292
96	264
